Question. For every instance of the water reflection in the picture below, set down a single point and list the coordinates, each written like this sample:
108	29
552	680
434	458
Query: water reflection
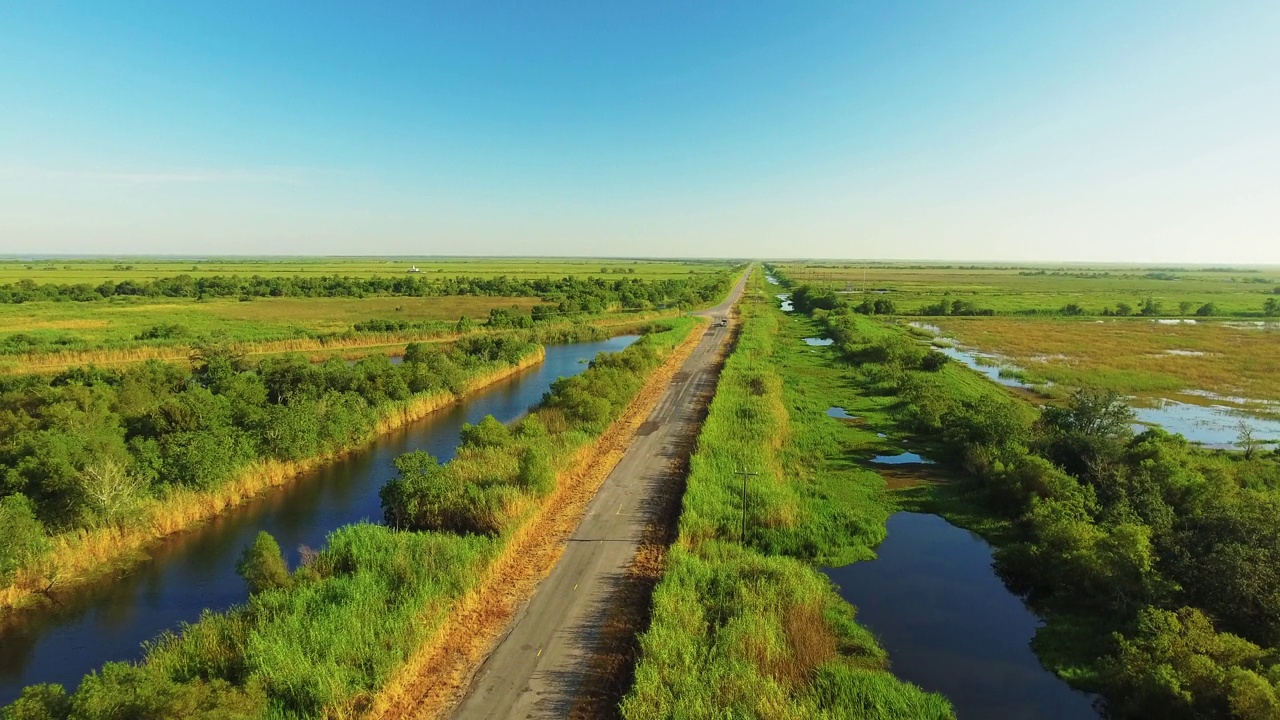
950	625
196	569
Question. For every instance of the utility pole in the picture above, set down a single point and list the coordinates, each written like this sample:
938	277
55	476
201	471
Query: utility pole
745	475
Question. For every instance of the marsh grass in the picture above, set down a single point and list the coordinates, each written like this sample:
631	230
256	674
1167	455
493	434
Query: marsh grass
1132	356
752	629
1012	290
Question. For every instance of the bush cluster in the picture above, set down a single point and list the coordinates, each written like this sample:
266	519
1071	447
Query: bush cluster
89	447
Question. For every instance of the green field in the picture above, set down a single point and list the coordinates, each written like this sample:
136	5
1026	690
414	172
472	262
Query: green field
57	314
96	270
1044	289
120	321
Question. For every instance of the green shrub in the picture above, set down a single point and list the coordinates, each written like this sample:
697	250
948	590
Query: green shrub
262	565
22	536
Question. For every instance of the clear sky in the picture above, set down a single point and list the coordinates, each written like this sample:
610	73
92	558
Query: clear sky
1071	130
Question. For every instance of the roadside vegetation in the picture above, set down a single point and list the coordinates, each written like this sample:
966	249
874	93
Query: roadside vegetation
320	640
1154	563
98	463
748	627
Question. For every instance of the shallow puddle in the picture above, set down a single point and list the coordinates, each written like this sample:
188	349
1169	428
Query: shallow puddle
1213	426
784	300
839	413
905	458
818	342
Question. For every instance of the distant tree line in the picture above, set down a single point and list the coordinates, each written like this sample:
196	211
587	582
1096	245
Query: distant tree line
575	294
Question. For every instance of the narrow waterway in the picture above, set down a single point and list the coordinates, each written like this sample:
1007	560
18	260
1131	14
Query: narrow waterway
196	570
950	625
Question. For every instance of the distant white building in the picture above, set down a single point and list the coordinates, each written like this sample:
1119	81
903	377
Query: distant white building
414	268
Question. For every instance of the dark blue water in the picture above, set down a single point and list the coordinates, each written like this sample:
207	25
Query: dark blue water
196	569
950	625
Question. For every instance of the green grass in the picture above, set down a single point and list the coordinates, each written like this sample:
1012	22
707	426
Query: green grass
1005	290
117	322
756	630
96	270
325	642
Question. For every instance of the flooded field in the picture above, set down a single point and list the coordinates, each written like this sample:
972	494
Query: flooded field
1203	416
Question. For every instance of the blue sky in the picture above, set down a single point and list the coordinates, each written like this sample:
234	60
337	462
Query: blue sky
1089	131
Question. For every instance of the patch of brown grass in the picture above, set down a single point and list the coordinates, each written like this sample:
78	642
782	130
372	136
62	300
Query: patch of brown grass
437	675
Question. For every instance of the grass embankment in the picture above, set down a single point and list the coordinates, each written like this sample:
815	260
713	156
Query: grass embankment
433	678
1133	356
322	641
81	556
758	631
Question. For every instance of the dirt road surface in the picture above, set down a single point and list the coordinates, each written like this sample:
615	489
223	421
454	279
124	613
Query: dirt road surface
536	669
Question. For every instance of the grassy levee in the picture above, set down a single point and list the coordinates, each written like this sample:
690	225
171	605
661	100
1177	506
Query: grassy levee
84	555
753	629
1152	562
324	640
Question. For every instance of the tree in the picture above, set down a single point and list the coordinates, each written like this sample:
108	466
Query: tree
1086	435
1124	309
1271	308
1150	307
1245	439
1207	310
1184	307
110	493
262	565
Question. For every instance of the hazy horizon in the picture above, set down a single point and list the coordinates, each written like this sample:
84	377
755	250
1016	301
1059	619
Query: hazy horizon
1092	132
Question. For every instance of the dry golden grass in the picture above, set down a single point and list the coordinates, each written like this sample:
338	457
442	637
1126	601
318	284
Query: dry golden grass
435	677
16	324
1133	355
82	556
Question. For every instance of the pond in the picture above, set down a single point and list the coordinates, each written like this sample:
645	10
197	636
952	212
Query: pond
950	625
196	570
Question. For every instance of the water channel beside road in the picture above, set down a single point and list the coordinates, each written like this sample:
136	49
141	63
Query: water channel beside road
195	570
951	626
